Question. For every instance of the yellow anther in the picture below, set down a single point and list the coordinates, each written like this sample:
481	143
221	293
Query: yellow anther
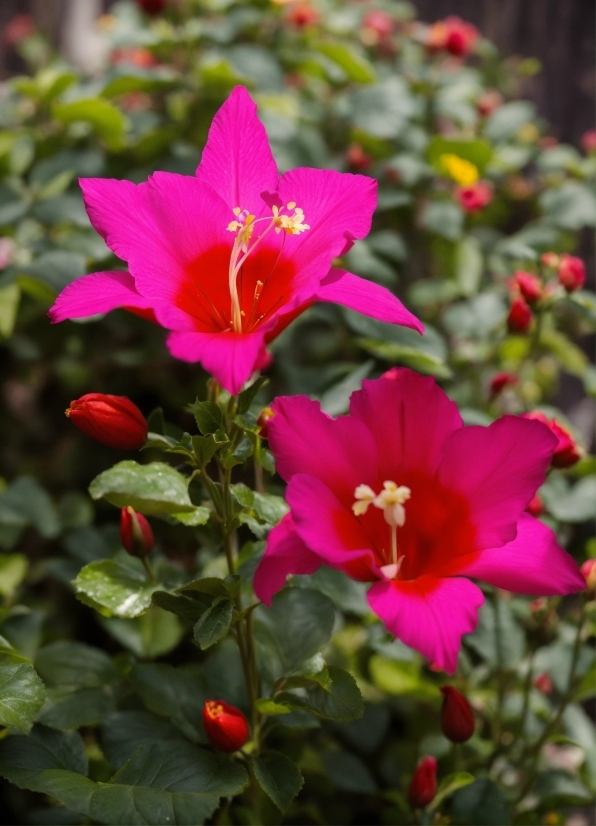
291	205
364	496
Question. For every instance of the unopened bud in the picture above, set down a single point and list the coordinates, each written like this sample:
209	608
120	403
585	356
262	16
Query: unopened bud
502	380
457	719
423	786
520	316
225	725
135	533
475	197
588	569
529	285
264	416
572	273
567	452
536	505
543	683
112	420
550	259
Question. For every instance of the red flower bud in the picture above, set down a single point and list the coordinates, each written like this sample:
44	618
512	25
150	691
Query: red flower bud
550	259
18	28
588	141
529	285
225	725
152	6
457	720
135	533
112	420
572	272
489	101
302	14
588	569
502	380
520	316
543	683
475	197
567	452
357	158
377	26
264	416
536	506
452	35
423	787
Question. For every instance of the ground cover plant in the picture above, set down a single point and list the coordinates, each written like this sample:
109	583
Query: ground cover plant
313	542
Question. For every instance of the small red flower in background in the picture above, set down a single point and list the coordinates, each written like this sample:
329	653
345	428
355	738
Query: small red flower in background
452	35
520	316
302	14
357	158
377	26
475	197
114	421
572	272
588	569
135	533
502	380
225	725
550	259
536	506
543	683
457	719
529	285
17	29
588	141
423	786
488	102
152	7
567	452
140	57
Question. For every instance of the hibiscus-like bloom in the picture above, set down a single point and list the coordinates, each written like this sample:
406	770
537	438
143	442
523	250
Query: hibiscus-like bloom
226	259
401	494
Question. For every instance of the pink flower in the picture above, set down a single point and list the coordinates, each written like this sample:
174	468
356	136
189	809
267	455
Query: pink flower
452	35
572	272
399	493
475	197
226	259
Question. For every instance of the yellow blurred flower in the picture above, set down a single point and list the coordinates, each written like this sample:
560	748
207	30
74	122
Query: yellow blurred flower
461	171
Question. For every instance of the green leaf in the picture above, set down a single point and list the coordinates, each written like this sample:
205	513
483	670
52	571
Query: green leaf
498	639
66	663
67	709
13	569
342	702
186	607
505	121
214	586
357	68
571	206
449	785
214	624
279	778
468	265
346	593
178	693
124	731
577	505
25	502
154	489
121	589
151	635
107	121
9	306
384	109
297	626
269	509
560	788
29	762
445	218
348	772
477	151
22	694
403	679
480	804
248	395
269	708
208	417
121	80
205	448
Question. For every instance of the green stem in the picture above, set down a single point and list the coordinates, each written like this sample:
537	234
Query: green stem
500	676
148	569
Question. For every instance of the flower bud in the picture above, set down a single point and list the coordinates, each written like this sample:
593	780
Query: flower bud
520	316
502	380
263	421
377	25
302	14
475	197
357	158
488	102
550	259
452	35
543	683
225	725
529	285
567	452
588	141
423	786
135	533
112	420
588	569
572	272
535	506
457	720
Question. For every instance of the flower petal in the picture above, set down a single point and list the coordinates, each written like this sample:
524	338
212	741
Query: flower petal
237	160
97	293
533	563
286	554
340	452
410	418
366	297
498	469
337	206
429	614
330	529
231	358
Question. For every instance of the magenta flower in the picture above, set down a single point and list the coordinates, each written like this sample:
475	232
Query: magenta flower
401	494
226	259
